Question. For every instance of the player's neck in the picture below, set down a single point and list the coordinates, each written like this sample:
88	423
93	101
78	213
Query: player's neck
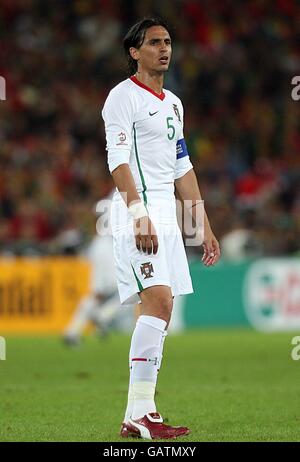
154	81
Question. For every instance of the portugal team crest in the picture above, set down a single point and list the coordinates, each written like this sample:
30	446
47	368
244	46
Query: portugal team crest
147	269
177	113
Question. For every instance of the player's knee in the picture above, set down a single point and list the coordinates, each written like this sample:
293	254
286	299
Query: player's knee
157	302
164	306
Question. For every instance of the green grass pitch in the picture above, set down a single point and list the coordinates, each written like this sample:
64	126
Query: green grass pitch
226	385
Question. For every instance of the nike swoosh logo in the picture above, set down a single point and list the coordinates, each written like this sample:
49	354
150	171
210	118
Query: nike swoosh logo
153	113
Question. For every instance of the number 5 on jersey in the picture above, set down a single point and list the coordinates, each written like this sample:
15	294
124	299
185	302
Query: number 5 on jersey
171	127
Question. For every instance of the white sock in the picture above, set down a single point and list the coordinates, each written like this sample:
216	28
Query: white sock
143	399
130	399
144	357
161	350
130	402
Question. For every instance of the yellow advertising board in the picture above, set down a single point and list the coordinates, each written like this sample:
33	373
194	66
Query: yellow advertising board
39	295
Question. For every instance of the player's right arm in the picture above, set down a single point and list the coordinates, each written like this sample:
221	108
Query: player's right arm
118	115
144	231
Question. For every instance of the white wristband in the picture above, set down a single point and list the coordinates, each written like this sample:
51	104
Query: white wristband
138	210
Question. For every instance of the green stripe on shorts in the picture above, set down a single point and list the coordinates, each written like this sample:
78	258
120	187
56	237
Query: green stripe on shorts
137	280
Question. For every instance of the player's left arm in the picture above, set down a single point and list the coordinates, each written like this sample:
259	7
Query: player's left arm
188	189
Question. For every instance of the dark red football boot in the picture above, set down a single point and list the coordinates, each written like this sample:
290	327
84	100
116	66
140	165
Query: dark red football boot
124	432
151	427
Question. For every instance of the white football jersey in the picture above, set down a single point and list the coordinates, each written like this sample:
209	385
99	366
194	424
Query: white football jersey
145	130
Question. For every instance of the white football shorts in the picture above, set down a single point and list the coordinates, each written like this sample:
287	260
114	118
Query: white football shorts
136	270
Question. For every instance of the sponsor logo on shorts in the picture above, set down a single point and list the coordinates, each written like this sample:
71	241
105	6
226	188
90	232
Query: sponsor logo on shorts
147	269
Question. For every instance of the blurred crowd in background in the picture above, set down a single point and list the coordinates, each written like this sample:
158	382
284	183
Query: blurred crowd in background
232	66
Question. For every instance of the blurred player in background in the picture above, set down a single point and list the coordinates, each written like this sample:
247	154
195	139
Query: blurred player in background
148	159
100	306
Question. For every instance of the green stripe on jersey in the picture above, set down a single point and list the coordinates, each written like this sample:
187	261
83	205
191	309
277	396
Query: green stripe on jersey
139	167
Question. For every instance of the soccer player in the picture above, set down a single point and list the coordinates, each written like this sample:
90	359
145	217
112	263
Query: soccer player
148	160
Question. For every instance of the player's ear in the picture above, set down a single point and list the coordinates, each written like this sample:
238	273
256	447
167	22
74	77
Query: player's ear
134	53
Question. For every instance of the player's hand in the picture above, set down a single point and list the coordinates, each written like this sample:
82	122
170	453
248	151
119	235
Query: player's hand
211	248
145	235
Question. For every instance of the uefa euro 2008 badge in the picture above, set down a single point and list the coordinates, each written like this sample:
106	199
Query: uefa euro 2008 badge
121	139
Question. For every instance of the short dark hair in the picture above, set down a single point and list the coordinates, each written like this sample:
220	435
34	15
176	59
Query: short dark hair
135	38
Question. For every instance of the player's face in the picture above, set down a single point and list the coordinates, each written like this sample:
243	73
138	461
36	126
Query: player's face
155	52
